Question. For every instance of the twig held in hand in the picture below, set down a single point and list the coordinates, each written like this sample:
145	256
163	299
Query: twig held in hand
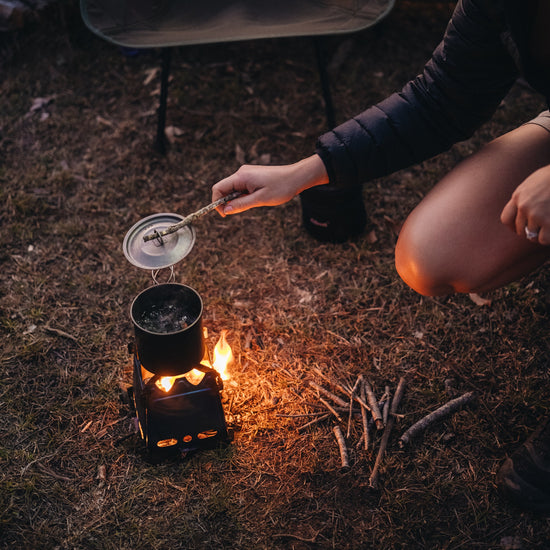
190	218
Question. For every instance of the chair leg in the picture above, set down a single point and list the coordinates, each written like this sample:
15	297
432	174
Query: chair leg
166	55
160	142
320	54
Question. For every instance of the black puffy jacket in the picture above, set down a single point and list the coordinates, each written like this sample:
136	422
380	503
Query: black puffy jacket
482	53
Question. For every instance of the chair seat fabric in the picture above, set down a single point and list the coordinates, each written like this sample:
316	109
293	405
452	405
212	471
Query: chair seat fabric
163	23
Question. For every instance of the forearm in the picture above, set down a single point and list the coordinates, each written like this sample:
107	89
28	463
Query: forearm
309	172
459	89
269	185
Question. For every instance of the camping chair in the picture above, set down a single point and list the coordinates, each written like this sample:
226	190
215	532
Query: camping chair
168	23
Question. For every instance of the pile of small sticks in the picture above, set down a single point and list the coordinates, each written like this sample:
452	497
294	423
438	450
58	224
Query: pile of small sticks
375	415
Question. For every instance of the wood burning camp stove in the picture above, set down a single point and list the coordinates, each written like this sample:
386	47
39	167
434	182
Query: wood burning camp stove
175	391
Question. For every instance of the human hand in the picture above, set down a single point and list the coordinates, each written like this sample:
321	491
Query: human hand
528	210
268	185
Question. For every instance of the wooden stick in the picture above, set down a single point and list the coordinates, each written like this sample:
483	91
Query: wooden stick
360	396
332	382
363	402
343	389
387	403
317	405
373	480
373	404
365	419
62	333
342	445
301	415
445	410
328	394
338	386
190	218
350	414
331	409
314	421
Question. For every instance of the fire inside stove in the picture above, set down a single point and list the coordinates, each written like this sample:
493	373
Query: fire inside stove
176	389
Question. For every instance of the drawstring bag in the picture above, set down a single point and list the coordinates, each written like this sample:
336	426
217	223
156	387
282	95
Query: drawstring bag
331	214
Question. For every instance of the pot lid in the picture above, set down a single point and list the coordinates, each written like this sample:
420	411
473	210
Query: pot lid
162	252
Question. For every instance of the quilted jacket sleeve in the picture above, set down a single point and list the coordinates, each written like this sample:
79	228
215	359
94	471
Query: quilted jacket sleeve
459	89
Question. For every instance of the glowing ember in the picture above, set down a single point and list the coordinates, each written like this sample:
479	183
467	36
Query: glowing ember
223	356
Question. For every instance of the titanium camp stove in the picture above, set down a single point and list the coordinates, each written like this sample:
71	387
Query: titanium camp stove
175	391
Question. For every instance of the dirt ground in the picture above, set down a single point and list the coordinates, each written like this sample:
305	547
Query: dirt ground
78	169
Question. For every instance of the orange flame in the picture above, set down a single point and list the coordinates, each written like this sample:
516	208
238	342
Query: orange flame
165	383
194	376
223	356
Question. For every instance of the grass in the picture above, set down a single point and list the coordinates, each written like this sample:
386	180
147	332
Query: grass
73	183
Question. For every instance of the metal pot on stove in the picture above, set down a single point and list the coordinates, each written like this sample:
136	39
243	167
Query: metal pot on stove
168	328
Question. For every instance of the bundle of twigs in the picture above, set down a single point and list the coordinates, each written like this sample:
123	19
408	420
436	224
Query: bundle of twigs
375	414
361	401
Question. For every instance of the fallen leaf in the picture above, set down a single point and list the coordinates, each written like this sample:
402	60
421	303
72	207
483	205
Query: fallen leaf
40	102
30	329
150	74
172	132
477	299
371	237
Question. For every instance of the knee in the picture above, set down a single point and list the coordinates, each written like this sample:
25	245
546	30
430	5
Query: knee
421	262
417	275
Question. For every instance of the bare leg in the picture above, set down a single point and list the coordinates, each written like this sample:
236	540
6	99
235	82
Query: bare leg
453	241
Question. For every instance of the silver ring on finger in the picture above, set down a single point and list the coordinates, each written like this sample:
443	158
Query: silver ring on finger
531	235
